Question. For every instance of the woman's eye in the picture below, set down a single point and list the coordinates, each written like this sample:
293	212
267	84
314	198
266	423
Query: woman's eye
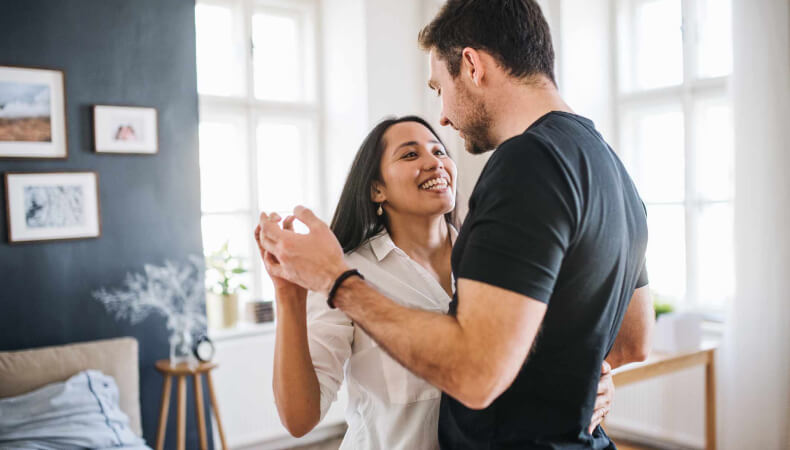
410	155
439	151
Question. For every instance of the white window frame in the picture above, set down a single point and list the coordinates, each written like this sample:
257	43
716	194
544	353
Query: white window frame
691	89
253	109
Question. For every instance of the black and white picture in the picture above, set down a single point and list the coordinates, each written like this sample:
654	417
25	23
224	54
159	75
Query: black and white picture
48	206
32	118
125	129
54	206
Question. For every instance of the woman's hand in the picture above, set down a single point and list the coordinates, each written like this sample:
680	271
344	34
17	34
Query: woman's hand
283	288
603	401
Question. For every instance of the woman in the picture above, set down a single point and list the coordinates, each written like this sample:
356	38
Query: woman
395	224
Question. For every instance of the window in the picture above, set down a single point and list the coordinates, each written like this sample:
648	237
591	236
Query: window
259	120
674	118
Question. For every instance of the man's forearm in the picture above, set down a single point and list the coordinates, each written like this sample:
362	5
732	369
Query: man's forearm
431	345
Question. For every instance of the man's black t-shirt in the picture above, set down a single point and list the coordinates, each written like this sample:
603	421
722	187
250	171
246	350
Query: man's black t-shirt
554	216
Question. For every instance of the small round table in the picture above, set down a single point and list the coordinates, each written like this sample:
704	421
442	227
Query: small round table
182	370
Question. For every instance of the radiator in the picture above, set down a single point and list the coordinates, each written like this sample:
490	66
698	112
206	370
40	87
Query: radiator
667	412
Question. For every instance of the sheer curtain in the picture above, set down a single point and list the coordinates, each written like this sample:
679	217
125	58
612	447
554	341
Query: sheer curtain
755	375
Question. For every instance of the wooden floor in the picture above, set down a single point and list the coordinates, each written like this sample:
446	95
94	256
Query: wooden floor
333	444
629	446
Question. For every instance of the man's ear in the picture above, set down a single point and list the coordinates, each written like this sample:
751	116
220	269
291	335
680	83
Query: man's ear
472	65
377	193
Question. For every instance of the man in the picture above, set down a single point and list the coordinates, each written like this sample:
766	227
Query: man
549	262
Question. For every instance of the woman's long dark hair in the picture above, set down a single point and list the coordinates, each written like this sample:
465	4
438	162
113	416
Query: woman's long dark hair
355	220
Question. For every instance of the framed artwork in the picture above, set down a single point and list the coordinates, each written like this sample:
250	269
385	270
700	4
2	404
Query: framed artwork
44	206
125	129
32	113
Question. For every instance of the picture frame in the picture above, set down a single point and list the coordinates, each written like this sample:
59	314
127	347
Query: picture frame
125	130
32	113
52	206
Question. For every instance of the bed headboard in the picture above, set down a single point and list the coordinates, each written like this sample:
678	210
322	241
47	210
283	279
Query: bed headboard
25	370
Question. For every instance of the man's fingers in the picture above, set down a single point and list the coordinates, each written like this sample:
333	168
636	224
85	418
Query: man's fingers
288	223
272	230
605	367
307	217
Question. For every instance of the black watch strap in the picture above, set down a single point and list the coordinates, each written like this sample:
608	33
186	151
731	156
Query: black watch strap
343	277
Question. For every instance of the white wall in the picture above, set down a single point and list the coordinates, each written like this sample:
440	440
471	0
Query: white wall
756	375
344	85
584	43
394	62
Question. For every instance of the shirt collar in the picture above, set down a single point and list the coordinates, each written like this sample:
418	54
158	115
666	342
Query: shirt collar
382	243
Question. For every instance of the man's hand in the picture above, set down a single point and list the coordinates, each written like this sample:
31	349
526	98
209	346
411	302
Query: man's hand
313	261
603	402
283	288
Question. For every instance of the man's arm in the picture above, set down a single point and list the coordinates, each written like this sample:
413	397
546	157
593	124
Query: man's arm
473	357
634	340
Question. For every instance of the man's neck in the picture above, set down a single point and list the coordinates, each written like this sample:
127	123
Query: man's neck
517	106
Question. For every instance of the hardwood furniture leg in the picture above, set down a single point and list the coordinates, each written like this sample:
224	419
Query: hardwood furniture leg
182	412
201	417
213	400
163	410
710	403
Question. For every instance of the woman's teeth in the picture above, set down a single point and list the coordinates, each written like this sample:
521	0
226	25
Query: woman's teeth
436	183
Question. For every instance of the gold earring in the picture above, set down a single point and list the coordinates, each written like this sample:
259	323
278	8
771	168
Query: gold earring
379	211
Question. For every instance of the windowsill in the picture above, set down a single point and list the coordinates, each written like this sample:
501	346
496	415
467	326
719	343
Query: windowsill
241	330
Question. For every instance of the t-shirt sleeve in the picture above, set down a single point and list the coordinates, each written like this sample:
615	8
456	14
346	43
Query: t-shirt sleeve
642	281
525	216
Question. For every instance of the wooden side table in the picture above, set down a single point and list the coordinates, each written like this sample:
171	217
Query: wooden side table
181	371
658	364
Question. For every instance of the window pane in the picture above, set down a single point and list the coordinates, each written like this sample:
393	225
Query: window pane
219	59
224	165
286	166
714	40
277	57
715	254
652	44
236	229
666	252
653	150
715	156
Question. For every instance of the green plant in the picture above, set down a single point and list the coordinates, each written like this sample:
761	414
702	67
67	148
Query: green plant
223	272
662	305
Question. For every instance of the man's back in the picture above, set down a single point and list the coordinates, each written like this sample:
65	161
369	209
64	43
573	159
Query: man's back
555	217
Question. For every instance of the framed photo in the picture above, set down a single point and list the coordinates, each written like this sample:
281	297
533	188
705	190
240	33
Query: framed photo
45	206
32	113
125	129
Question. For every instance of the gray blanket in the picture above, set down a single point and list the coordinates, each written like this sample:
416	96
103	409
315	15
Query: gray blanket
81	412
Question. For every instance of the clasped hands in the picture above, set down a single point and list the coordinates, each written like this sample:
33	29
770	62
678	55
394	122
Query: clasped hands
312	261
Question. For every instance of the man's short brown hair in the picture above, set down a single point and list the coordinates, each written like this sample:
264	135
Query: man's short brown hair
512	31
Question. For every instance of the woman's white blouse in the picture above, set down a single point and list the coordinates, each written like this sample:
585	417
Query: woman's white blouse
389	408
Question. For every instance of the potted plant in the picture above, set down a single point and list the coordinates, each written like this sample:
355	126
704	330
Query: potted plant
223	282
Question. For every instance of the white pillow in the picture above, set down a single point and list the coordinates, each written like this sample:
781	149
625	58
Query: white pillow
81	412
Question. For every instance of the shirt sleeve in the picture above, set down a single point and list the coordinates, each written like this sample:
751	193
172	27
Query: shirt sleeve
330	334
642	281
525	216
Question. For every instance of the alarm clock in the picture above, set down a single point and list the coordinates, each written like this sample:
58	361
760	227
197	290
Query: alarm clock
204	349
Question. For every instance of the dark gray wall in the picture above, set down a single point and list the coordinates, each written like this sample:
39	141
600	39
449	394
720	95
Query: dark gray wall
139	52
